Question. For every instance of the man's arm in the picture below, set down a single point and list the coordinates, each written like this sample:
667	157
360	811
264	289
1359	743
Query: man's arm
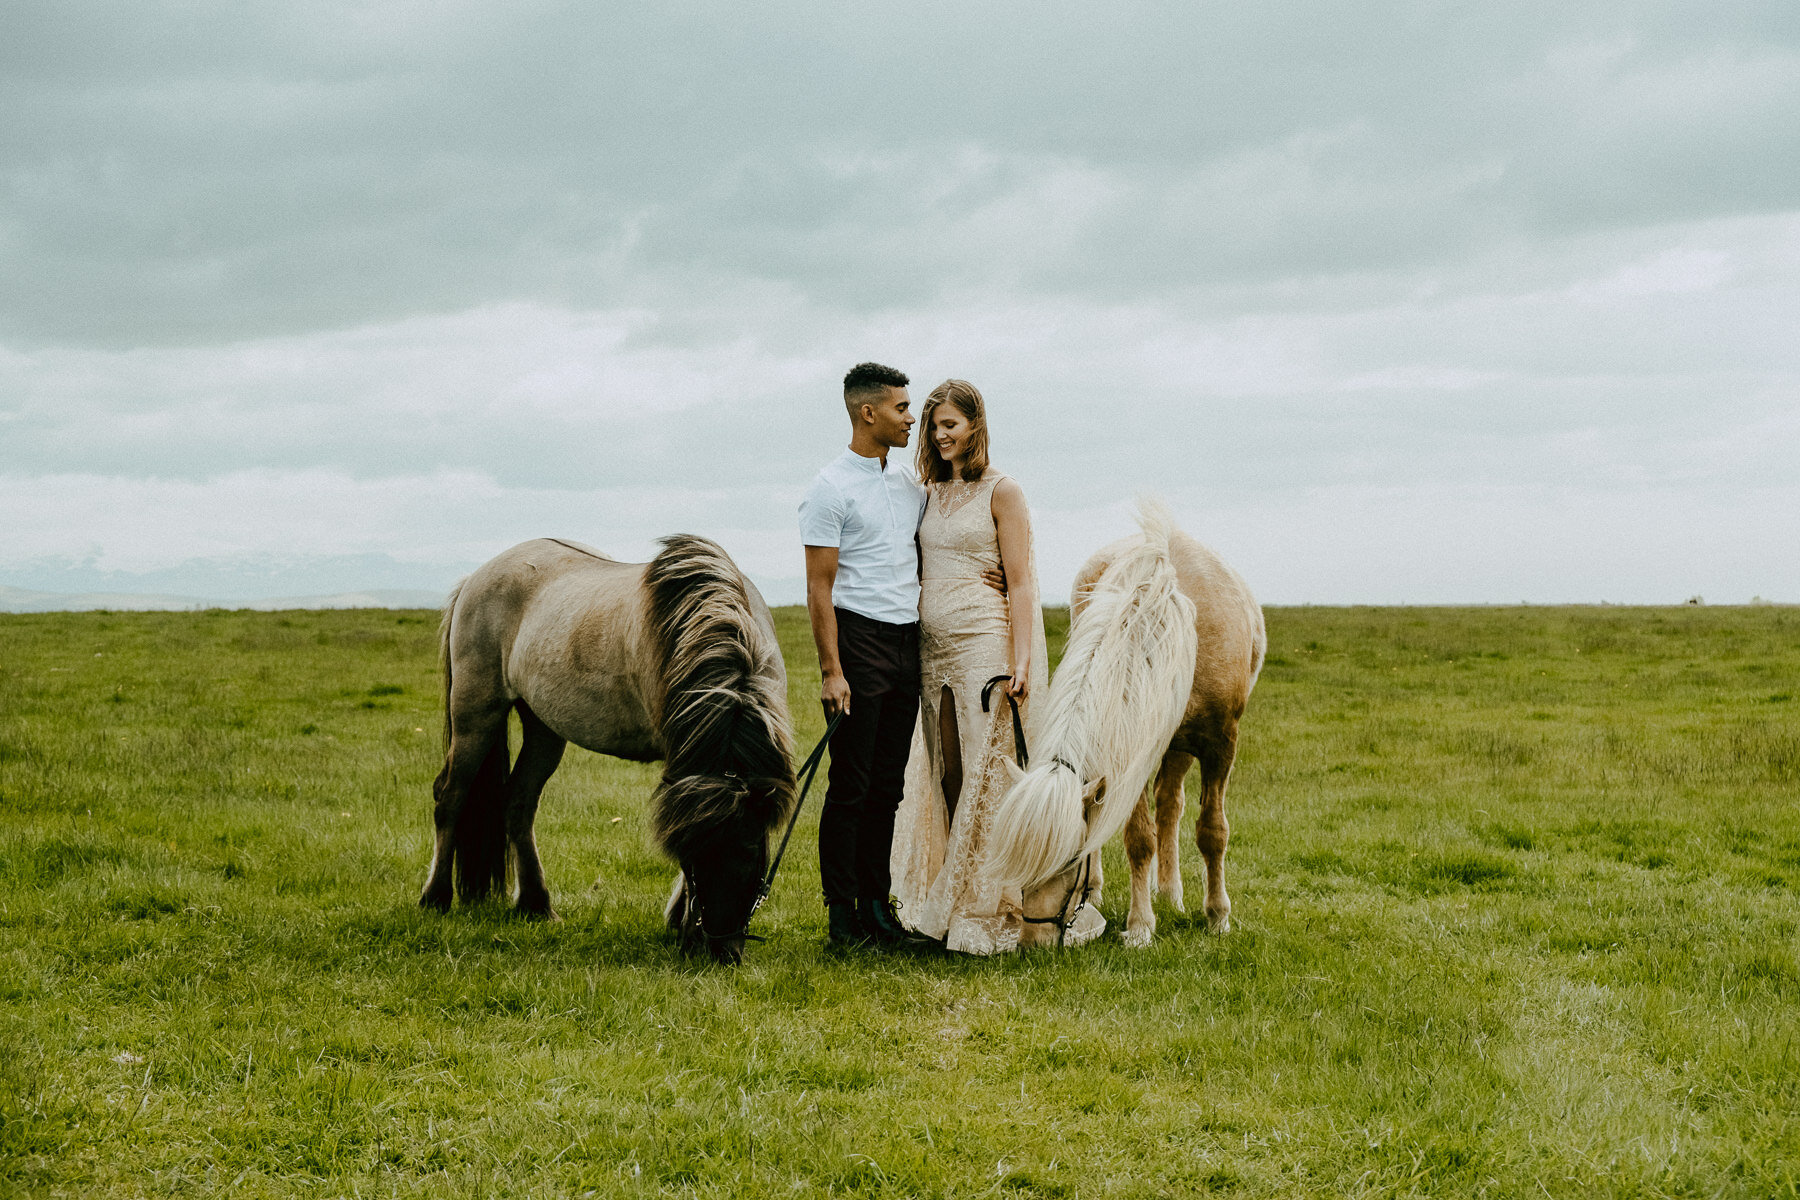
821	573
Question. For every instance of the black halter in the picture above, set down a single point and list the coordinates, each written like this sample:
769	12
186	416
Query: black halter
1078	894
1081	889
693	924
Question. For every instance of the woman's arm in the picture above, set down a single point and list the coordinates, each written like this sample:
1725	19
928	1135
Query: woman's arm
1012	522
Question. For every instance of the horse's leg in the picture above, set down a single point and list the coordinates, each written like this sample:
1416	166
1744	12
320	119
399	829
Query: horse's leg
539	752
474	738
1140	848
439	887
1213	832
1170	800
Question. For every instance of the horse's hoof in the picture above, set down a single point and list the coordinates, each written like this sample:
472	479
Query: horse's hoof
1137	939
1219	921
536	910
436	903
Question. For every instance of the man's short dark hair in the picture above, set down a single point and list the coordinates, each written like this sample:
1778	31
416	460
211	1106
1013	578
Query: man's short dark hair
871	377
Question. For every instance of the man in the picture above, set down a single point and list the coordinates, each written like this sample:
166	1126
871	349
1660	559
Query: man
859	520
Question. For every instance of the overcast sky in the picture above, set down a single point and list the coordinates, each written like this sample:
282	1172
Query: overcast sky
1417	303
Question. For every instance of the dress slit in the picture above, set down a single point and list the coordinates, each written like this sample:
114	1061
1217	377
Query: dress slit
962	751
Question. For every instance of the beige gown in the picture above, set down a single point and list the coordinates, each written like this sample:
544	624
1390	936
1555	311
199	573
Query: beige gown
940	876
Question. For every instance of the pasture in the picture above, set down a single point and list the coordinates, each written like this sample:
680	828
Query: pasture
1516	895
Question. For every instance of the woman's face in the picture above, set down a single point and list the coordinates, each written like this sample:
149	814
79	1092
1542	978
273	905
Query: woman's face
950	432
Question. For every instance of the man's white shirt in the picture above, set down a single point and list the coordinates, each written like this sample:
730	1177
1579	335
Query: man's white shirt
871	515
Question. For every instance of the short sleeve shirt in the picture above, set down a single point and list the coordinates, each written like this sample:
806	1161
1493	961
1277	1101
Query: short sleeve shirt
871	515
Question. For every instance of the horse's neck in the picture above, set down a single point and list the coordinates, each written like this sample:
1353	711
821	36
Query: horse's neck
1124	684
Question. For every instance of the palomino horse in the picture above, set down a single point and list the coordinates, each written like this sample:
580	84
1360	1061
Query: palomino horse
672	660
1164	646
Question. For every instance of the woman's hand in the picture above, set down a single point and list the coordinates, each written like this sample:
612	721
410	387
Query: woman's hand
1020	686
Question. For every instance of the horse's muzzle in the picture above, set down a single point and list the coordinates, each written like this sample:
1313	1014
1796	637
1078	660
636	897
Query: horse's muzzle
726	949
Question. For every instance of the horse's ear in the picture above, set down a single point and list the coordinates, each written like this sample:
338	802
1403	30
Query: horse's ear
1014	772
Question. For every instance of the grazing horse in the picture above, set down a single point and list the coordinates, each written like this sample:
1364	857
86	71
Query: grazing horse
672	660
1165	643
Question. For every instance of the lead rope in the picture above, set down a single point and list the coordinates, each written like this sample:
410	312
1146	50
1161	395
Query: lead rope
1018	725
807	769
1064	920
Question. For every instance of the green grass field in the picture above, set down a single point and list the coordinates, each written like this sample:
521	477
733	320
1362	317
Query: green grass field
1516	893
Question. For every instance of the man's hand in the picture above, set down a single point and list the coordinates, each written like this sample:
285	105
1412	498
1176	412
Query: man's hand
995	578
834	694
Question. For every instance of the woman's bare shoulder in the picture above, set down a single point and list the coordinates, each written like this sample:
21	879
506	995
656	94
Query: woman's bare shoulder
1008	495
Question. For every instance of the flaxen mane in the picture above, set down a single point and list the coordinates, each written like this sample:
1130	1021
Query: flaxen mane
1116	699
725	736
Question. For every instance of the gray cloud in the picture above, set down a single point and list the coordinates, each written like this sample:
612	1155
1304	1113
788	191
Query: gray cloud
270	169
481	271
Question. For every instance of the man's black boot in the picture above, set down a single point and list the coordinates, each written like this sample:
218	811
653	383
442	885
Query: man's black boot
842	930
884	928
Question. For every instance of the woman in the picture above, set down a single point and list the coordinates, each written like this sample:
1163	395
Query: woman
975	520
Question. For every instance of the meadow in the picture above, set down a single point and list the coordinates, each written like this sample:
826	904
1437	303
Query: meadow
1516	894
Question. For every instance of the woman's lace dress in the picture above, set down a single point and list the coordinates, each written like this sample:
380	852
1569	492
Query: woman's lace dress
939	867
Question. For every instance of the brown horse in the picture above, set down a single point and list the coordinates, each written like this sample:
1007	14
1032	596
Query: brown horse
1165	643
674	660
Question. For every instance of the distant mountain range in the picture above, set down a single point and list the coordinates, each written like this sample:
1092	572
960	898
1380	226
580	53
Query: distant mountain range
23	600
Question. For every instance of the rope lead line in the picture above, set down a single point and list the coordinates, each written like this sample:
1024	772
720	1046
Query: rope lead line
807	770
1018	725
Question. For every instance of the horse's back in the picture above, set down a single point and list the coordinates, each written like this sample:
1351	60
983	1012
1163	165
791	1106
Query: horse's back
1228	622
562	628
522	585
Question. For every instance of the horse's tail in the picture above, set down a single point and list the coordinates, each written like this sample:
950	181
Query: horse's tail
1117	698
481	857
444	652
723	722
479	842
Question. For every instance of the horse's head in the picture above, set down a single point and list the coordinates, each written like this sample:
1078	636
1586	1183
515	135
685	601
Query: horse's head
1048	906
1042	820
723	849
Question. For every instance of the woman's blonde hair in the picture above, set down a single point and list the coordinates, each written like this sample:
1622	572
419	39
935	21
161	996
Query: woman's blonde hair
963	396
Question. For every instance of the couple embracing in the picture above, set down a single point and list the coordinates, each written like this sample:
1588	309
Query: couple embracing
921	589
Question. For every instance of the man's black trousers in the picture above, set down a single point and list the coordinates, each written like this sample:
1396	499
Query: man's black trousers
868	756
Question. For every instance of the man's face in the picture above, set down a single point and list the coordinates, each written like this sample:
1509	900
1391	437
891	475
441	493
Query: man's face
892	417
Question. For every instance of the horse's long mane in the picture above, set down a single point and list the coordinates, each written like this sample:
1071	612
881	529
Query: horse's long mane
1117	698
723	722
